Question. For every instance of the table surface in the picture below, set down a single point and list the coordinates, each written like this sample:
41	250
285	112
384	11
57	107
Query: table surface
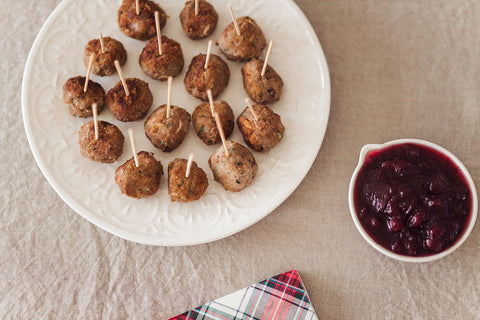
399	68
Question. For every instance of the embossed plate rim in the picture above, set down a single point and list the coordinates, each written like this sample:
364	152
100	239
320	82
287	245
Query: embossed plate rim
257	213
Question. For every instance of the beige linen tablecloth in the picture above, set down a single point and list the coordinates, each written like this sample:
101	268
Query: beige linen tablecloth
399	68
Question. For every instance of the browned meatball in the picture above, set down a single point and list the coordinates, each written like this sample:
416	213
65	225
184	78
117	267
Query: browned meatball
103	62
235	172
198	26
215	77
167	133
107	148
160	67
264	133
260	89
205	124
141	26
181	188
79	103
247	46
131	108
142	181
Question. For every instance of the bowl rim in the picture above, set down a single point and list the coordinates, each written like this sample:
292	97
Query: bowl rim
473	217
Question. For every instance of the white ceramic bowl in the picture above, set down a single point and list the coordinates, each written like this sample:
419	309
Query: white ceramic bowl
468	227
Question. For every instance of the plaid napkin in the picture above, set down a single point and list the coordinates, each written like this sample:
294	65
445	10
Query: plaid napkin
282	297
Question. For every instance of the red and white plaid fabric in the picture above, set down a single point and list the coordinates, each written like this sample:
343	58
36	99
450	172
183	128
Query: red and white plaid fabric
282	297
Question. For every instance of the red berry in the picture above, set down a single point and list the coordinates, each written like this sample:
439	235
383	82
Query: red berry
417	219
395	224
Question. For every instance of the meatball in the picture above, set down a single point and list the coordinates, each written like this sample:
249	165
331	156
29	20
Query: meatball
142	181
235	172
181	188
107	148
215	77
160	67
205	125
133	107
79	103
103	62
201	25
260	89
141	26
246	46
264	133
167	133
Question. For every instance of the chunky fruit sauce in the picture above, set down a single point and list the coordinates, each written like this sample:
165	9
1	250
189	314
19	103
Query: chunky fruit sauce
412	199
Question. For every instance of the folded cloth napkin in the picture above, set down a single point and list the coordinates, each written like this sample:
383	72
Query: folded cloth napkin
282	297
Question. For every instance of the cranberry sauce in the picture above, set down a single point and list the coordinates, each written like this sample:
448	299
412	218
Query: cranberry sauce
412	199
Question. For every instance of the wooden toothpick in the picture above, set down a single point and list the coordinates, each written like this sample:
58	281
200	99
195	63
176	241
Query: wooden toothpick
250	107
134	147
89	70
266	58
196	7
237	29
210	99
189	165
209	49
95	121
169	96
159	34
122	78
137	7
222	134
102	44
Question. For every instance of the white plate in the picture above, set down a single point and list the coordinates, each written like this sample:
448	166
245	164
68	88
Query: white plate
89	187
